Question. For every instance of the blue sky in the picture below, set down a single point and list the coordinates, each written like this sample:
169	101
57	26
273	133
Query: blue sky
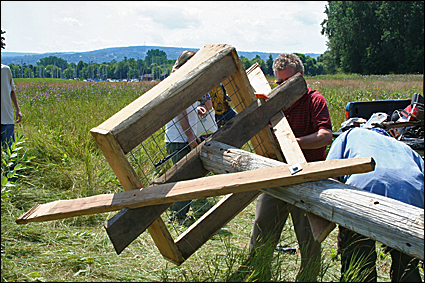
72	26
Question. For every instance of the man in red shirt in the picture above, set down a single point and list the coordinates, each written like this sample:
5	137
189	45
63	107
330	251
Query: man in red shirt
311	124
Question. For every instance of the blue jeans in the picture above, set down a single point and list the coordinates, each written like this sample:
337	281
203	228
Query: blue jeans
7	134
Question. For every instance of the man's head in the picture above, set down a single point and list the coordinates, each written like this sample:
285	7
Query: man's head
183	58
286	65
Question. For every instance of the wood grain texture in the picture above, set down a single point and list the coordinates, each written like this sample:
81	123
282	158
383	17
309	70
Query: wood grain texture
197	188
393	223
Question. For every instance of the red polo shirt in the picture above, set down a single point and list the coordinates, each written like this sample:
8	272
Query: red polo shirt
306	116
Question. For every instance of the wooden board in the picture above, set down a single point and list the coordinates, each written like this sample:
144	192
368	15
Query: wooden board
388	221
117	160
258	80
196	189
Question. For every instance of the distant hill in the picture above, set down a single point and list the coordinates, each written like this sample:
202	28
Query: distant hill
115	53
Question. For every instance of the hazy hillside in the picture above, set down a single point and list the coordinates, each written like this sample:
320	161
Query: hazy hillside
114	53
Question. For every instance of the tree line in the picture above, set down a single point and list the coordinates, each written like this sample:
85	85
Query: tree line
155	66
364	37
374	37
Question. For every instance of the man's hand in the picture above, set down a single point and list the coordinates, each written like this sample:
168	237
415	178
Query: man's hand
18	116
202	111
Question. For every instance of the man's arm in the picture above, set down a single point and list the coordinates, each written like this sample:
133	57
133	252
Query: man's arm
17	109
319	139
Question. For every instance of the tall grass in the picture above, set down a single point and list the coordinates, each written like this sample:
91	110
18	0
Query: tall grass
57	118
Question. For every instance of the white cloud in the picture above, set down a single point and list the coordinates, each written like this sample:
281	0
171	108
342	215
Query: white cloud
277	26
71	21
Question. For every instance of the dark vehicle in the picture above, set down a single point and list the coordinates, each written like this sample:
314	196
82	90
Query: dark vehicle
402	118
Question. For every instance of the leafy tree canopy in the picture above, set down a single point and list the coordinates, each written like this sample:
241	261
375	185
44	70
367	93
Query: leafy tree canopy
2	39
375	37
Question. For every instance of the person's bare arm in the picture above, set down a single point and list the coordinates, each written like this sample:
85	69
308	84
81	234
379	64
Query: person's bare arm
209	104
191	137
17	109
321	138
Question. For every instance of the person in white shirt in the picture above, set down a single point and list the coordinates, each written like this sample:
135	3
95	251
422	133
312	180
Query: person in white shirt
180	134
8	98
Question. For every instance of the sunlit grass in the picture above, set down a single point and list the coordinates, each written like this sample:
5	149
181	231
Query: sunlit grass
57	118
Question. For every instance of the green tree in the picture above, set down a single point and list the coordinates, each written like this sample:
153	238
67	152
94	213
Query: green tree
245	62
2	39
375	37
53	60
328	63
269	66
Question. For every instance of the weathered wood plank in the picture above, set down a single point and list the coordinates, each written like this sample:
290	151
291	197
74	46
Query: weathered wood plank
198	188
236	132
391	222
258	80
388	221
117	159
212	221
263	142
164	241
286	139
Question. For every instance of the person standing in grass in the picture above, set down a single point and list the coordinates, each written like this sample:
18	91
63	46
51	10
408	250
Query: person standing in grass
8	98
311	124
398	174
180	134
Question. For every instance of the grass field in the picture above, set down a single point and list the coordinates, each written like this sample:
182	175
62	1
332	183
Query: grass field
66	163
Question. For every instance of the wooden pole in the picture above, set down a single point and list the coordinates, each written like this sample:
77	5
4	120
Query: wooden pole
391	222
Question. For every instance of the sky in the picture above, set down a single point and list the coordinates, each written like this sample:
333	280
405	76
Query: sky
78	26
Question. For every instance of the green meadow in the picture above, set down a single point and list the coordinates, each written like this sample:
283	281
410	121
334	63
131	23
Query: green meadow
59	159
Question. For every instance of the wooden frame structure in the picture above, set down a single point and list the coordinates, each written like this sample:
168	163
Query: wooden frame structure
125	130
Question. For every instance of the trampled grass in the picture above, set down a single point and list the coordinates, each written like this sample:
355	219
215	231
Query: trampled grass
68	164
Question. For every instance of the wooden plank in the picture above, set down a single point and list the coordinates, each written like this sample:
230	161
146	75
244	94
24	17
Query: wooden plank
258	80
197	188
148	113
164	241
117	159
286	139
236	132
212	221
388	221
263	142
320	227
